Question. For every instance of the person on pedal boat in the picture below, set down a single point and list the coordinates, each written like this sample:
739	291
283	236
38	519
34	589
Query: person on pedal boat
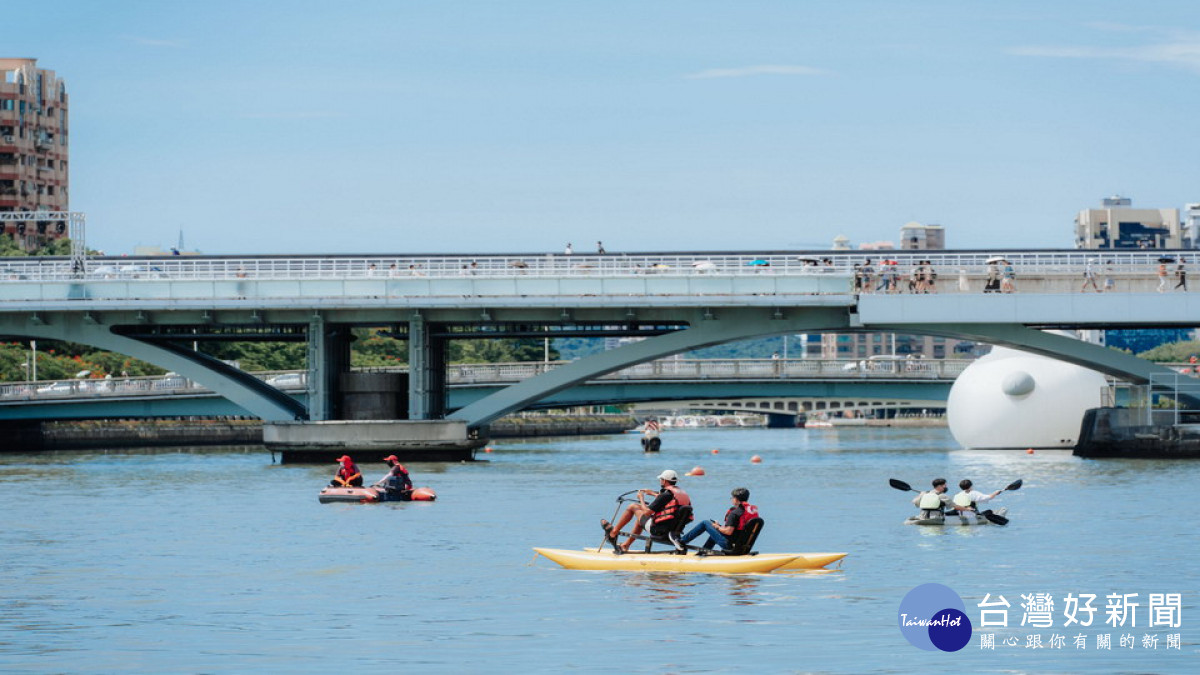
934	502
658	516
347	474
397	483
966	500
736	518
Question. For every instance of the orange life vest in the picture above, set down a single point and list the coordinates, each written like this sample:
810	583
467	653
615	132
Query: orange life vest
678	498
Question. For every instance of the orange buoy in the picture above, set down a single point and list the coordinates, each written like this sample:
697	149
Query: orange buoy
1029	451
696	471
756	460
488	449
715	451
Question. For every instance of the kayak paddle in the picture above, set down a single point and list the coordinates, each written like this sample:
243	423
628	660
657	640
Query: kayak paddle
994	517
901	485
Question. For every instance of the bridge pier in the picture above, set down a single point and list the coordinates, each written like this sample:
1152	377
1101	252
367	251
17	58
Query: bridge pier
380	413
427	371
371	440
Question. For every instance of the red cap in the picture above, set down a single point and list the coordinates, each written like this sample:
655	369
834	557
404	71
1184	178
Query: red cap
344	458
391	458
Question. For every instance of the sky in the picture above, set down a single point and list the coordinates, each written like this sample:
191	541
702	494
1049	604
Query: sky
407	127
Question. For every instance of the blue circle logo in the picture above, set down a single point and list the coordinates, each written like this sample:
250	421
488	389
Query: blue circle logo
933	617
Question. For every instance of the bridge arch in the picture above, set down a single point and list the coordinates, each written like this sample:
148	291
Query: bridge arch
246	391
707	329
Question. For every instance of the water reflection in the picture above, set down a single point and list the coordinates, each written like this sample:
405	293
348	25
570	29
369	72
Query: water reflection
681	591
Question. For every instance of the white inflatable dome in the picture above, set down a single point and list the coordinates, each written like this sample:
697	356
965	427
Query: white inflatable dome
1013	399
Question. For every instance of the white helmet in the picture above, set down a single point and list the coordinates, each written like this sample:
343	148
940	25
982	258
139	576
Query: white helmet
669	476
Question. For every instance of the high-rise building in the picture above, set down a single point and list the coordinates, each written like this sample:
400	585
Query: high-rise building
1116	224
1191	226
33	148
917	237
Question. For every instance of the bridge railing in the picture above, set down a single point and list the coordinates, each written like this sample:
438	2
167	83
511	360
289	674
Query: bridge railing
504	373
948	266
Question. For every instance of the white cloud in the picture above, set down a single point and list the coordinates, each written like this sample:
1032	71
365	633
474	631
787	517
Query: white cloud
749	71
1175	48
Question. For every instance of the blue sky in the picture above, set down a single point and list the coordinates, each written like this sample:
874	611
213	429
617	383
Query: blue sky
402	127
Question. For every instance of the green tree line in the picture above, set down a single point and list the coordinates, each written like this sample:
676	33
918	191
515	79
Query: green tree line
64	360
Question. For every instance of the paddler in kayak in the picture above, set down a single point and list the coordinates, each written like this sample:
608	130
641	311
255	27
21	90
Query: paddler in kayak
736	518
934	502
658	516
347	474
397	483
966	500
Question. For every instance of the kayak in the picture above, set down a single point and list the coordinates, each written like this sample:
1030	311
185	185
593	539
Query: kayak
810	561
953	520
592	559
370	495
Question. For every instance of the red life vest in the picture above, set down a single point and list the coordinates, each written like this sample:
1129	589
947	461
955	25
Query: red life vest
347	472
749	512
678	498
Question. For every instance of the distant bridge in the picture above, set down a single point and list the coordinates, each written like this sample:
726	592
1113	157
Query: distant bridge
780	386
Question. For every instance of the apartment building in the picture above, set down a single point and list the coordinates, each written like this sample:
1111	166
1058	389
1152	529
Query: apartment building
1116	224
33	148
917	237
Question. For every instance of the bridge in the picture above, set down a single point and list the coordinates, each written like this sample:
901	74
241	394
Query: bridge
774	386
155	308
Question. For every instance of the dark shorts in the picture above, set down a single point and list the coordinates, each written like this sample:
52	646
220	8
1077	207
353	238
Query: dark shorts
657	529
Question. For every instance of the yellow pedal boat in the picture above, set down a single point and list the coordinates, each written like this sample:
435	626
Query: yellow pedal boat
810	561
593	559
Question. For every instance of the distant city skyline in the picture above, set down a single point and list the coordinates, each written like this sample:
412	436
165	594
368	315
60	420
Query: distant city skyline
304	127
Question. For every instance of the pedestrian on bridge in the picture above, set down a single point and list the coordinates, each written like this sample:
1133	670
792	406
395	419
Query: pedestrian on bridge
1008	278
1089	276
1180	276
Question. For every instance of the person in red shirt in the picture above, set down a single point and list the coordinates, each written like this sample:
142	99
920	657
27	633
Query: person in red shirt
348	474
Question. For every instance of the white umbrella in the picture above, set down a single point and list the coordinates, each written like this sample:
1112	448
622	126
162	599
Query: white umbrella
704	265
995	259
82	374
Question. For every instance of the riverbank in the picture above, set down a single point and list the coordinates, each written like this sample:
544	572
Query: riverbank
41	435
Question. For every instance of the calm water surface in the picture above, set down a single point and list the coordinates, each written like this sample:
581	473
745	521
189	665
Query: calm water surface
222	561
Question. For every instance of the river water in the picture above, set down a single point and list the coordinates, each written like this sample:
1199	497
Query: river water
219	560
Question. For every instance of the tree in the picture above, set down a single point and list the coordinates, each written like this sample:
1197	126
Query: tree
52	247
1173	352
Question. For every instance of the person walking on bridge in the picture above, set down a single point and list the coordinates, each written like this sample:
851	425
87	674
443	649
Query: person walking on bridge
1089	276
1180	276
